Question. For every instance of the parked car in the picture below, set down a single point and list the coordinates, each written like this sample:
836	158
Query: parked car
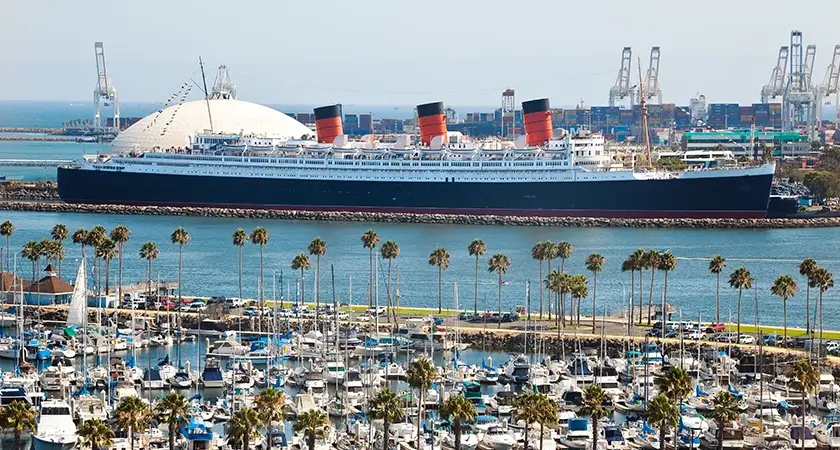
377	311
715	327
250	311
746	339
364	318
234	302
695	335
216	299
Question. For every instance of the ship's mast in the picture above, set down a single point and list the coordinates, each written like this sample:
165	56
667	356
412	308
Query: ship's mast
643	105
206	93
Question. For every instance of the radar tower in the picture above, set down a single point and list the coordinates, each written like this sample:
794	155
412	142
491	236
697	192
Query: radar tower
105	92
508	113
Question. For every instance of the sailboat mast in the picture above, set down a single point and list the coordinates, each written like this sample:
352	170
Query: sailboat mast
644	124
206	93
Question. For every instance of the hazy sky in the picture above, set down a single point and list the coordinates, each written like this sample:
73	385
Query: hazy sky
375	52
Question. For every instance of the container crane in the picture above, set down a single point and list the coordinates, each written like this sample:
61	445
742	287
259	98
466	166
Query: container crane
651	81
829	87
776	86
105	91
621	89
798	97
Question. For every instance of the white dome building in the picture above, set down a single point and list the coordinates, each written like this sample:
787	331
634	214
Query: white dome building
176	125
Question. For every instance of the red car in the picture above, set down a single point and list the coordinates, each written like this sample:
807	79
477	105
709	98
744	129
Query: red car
715	327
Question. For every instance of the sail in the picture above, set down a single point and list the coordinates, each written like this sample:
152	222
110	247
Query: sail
78	302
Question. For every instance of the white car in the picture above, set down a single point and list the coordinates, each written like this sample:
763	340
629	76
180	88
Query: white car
746	339
695	335
364	318
377	311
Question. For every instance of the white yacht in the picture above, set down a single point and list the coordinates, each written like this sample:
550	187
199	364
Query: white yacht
226	348
828	432
334	372
498	437
56	429
211	376
732	439
801	437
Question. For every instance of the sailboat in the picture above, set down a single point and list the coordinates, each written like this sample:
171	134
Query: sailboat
78	301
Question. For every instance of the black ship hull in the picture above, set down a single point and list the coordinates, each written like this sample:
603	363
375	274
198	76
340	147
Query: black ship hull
744	196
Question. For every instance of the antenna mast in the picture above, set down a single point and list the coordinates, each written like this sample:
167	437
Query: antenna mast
206	94
644	124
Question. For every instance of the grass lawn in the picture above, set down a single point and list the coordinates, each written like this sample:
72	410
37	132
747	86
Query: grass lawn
792	332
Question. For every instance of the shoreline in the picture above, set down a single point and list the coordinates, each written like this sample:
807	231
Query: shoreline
19	200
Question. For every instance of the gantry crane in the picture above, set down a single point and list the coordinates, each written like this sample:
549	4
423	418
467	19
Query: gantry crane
798	98
104	91
776	86
621	89
829	87
651	82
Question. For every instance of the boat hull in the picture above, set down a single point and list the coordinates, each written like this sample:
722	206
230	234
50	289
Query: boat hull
737	193
46	444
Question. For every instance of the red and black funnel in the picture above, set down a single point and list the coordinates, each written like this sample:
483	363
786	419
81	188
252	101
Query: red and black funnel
431	118
328	123
536	116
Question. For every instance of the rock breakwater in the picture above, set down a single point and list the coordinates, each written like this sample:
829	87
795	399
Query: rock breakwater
10	201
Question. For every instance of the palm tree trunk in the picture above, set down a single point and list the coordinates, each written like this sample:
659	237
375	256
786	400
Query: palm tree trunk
131	437
594	433
302	289
107	277
665	299
310	440
172	437
18	440
650	297
807	308
804	405
632	299
440	289
457	424
119	290
475	287
421	410
148	283
180	259
594	293
240	273
370	281
317	281
246	439
739	315
542	431
386	425
549	302
541	294
527	427
820	324
719	432
262	280
499	320
641	293
393	307
717	300
662	437
784	306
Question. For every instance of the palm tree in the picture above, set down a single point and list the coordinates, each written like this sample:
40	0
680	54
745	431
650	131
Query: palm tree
637	258
106	251
369	241
180	237
301	262
245	424
526	408
651	261
439	258
579	291
149	252
740	279
314	424
240	237
805	378
807	268
6	230
19	418
823	280
32	251
594	263
80	237
420	375
271	405
260	237
499	264
49	250
716	266
627	266
725	411
675	383
386	406
390	250
94	239
538	253
593	406
476	248
547	410
551	251
132	415
120	235
59	234
317	248
457	408
95	434
662	412
667	263
564	252
784	287
559	284
172	410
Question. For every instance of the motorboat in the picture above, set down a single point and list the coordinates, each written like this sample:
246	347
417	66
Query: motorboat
152	379
580	372
767	418
334	372
124	390
227	348
517	369
579	435
56	429
181	380
801	437
199	435
731	439
827	432
692	420
211	376
487	374
614	437
502	403
469	438
87	407
498	437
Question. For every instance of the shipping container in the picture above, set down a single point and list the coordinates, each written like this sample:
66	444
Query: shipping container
746	110
733	107
366	122
714	107
775	107
761	107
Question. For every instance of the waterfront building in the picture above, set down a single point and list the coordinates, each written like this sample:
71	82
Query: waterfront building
49	290
738	142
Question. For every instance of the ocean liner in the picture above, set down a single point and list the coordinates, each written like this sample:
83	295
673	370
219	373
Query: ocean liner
540	175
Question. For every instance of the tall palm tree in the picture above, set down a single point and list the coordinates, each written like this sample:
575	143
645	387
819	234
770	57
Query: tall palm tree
724	412
173	411
149	252
594	263
784	287
638	260
651	262
390	250
301	262
564	252
667	263
627	266
662	412
120	235
32	251
551	252
675	383
59	234
106	251
94	239
240	237
271	405
80	237
807	268
180	237
456	409
740	279
823	280
476	249
260	237
806	378
499	264
19	418
579	291
593	407
386	406
317	248
369	240
559	284
6	230
439	258
421	373
95	434
716	266
548	411
132	415
49	250
526	408
538	253
314	424
245	425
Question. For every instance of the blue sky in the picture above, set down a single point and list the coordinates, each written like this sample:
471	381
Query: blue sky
380	52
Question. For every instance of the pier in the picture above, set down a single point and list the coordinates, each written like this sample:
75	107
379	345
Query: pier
36	162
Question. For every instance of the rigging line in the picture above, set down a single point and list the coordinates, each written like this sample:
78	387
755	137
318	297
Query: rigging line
450	91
